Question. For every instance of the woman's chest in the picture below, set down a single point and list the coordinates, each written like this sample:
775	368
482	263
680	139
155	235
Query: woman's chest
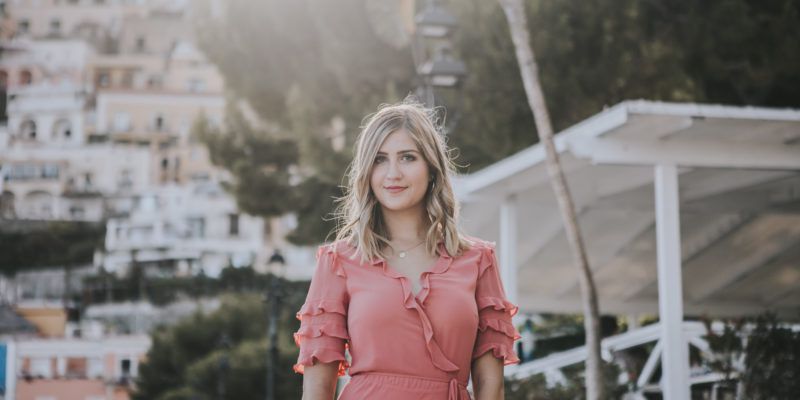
384	296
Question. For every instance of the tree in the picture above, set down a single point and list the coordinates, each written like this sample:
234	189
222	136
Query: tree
772	360
518	24
48	244
228	347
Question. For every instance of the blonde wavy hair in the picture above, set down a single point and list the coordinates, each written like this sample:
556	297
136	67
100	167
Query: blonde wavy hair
359	220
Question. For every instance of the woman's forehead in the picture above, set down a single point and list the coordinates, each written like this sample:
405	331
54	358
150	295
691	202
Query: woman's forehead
398	141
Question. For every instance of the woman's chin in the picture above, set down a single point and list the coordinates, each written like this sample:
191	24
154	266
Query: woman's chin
400	207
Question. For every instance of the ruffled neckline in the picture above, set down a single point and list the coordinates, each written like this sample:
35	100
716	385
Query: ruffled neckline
412	302
440	266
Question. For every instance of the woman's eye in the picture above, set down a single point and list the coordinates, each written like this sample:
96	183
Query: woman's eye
408	157
379	159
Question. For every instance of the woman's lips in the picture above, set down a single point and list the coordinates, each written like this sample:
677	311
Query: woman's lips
395	189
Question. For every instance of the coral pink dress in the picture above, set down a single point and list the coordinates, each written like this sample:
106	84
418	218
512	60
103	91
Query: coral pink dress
405	346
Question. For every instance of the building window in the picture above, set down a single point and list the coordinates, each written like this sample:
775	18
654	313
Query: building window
158	123
7	207
96	368
27	130
77	212
50	171
125	371
233	224
155	81
22	172
3	96
127	79
103	79
76	367
140	44
196	85
24	26
25	77
62	129
55	27
125	367
122	122
196	227
40	367
125	180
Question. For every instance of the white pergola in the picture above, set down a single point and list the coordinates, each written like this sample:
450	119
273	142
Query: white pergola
686	209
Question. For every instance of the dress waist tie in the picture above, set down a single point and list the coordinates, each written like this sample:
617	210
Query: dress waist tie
454	392
454	387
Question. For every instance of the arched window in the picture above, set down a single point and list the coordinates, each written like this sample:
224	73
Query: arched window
39	205
27	129
7	209
62	129
25	77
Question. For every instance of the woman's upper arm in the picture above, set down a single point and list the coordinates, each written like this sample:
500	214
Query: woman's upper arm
319	381
487	370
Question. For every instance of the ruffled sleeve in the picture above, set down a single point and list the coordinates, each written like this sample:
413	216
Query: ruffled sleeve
323	335
495	330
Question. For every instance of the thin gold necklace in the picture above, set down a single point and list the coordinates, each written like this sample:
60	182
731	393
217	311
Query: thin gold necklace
404	253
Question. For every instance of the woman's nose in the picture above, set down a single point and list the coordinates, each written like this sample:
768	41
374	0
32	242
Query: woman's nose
394	170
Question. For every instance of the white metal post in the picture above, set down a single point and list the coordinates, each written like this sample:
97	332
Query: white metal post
11	369
2	179
675	354
508	247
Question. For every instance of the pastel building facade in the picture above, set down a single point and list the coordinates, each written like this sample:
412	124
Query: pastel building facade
80	184
185	230
161	123
74	368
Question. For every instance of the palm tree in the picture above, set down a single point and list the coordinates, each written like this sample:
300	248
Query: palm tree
518	25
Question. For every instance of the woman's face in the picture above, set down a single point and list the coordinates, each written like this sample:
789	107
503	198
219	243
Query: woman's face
400	176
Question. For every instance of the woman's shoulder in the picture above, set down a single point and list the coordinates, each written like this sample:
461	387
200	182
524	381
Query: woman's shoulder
343	249
480	252
478	244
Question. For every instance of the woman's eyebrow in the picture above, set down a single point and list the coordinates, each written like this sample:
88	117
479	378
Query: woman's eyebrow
400	152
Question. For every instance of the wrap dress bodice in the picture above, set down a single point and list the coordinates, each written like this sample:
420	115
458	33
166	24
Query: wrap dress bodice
401	344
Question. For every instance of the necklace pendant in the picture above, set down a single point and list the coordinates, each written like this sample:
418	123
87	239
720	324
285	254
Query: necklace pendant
402	254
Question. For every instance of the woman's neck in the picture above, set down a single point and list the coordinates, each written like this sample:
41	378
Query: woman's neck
407	227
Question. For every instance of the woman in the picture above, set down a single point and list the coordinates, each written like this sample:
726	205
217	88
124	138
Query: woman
417	304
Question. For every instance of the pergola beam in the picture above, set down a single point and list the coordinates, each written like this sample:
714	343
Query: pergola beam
719	308
694	153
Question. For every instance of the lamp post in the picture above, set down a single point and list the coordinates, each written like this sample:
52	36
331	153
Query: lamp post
274	296
432	51
223	364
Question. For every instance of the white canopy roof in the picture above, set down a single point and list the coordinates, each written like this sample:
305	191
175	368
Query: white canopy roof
739	189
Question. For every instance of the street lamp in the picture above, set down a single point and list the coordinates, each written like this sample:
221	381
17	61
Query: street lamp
444	70
432	50
276	264
435	21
